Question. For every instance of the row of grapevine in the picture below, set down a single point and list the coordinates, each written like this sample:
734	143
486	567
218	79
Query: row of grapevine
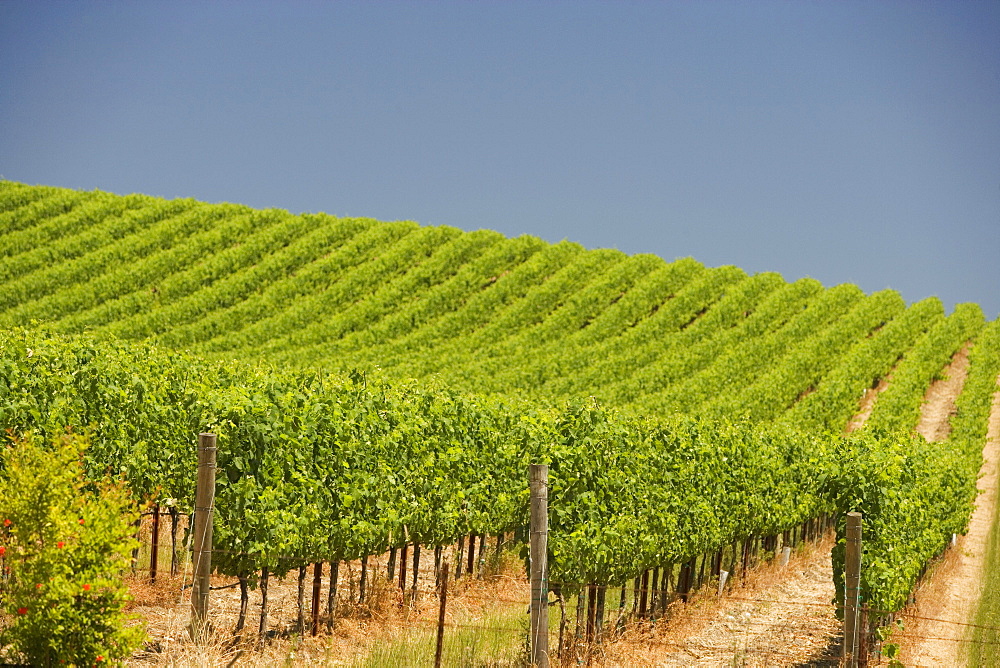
181	321
445	261
94	232
57	284
899	406
484	313
915	495
358	284
325	466
709	304
538	303
317	467
44	220
575	314
739	364
801	370
311	279
567	357
23	205
835	400
695	348
146	272
185	269
480	309
408	317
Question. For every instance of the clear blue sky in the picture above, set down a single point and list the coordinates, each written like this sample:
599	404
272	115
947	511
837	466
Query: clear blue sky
848	141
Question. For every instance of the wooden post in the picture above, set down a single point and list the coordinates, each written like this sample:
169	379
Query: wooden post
138	538
863	639
538	546
154	552
852	577
437	566
652	599
620	622
668	574
684	581
317	588
202	547
444	602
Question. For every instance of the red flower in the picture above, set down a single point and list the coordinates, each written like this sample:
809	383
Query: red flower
22	611
86	587
60	544
81	520
3	550
100	658
7	523
38	586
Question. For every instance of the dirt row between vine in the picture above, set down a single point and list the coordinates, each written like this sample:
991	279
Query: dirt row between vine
935	634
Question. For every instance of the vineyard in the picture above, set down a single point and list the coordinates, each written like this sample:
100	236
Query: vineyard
380	385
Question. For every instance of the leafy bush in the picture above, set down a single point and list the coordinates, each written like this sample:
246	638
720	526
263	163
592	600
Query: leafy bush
65	542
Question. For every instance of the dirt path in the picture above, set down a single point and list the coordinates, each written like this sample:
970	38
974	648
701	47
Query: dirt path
867	405
952	590
939	406
779	617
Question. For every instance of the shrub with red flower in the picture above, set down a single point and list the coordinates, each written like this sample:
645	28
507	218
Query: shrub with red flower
70	536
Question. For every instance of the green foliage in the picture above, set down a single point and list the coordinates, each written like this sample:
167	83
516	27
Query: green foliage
898	408
838	394
316	466
720	397
66	544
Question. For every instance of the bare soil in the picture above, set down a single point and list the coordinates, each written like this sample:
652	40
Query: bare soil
867	404
946	600
939	402
780	616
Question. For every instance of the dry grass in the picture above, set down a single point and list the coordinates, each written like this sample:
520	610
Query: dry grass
775	617
486	621
386	619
